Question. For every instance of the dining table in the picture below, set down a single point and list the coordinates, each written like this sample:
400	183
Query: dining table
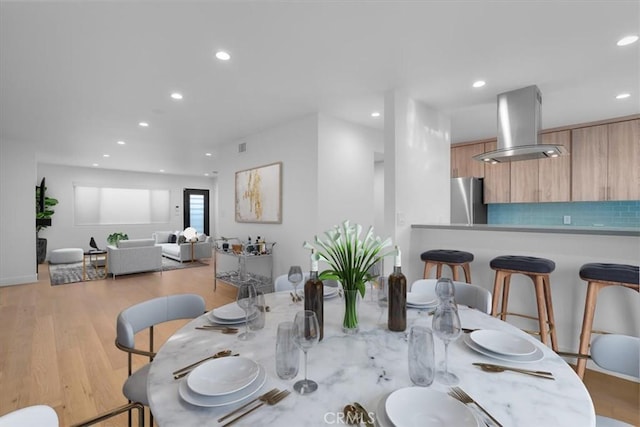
366	367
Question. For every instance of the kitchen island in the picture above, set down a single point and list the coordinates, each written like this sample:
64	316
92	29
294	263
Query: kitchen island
569	247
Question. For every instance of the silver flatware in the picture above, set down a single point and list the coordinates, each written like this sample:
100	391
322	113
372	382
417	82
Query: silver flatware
462	396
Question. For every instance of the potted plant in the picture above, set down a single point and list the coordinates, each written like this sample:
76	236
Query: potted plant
114	238
44	212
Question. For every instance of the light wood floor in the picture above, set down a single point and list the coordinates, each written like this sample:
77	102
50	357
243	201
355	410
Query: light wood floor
57	344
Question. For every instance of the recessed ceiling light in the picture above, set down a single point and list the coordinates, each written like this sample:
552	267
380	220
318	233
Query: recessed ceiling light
121	143
551	151
95	165
222	55
627	40
494	162
479	83
208	154
206	174
554	155
375	114
161	170
623	95
176	95
143	124
106	155
486	160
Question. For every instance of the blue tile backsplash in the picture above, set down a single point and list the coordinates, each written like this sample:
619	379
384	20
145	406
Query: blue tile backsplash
583	214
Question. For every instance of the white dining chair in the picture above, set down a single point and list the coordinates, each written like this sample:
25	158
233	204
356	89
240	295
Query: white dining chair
142	316
466	294
36	415
620	354
282	283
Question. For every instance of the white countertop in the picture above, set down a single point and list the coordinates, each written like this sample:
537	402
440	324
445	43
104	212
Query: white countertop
561	229
365	367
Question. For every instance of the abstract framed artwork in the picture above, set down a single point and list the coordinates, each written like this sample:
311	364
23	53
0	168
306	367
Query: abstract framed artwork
259	194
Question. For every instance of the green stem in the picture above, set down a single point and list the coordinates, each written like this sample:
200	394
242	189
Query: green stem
351	312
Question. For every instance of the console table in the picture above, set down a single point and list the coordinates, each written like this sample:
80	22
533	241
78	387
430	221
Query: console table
246	271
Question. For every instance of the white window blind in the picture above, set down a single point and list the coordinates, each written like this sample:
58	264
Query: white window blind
104	205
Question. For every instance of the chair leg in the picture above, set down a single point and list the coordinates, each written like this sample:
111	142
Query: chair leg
542	313
454	272
438	270
550	317
467	272
587	324
505	296
497	288
427	269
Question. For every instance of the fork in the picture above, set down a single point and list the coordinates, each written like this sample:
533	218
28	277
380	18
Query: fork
265	396
269	401
459	394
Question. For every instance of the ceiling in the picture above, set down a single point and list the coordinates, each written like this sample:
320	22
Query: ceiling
75	77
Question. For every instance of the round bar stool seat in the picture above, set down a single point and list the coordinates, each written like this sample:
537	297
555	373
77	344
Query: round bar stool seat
598	276
450	257
538	270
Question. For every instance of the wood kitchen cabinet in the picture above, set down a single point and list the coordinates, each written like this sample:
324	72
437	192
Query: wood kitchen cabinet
604	162
543	180
497	182
462	163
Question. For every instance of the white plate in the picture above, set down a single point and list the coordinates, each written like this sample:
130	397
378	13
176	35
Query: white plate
212	401
421	299
502	342
229	312
423	407
216	320
223	375
534	357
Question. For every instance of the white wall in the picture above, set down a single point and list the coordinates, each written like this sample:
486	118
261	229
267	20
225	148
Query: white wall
417	164
17	213
327	177
345	173
60	182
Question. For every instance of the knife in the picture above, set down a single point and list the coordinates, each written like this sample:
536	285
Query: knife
507	368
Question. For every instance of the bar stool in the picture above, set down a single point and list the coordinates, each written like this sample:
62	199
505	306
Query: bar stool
452	258
538	270
599	276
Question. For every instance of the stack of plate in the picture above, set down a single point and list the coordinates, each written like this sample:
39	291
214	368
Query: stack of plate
230	314
222	381
503	346
422	301
329	292
423	407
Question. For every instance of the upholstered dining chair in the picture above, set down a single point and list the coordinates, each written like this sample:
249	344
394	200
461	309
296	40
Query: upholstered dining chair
145	315
620	354
466	294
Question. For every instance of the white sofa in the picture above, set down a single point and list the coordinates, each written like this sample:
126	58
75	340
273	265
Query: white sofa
182	251
134	256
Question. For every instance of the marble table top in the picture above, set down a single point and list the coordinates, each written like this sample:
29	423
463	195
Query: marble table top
366	367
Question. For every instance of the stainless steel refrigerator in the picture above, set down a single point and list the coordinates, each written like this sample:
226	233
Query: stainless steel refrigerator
466	201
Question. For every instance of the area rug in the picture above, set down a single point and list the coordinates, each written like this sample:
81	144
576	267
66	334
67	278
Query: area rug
61	274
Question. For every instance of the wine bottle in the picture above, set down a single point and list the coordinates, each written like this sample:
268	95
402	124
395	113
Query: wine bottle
314	293
397	296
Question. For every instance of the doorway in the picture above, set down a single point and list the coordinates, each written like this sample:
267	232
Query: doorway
196	210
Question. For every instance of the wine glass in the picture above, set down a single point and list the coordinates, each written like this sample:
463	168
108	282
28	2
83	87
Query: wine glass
246	299
446	326
295	277
307	334
445	290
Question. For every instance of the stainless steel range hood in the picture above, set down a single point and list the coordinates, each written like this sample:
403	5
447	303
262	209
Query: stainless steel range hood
519	125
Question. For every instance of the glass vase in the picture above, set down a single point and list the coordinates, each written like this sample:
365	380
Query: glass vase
351	303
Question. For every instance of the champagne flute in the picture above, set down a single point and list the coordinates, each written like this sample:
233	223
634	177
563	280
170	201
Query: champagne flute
295	277
307	334
446	326
246	299
445	290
